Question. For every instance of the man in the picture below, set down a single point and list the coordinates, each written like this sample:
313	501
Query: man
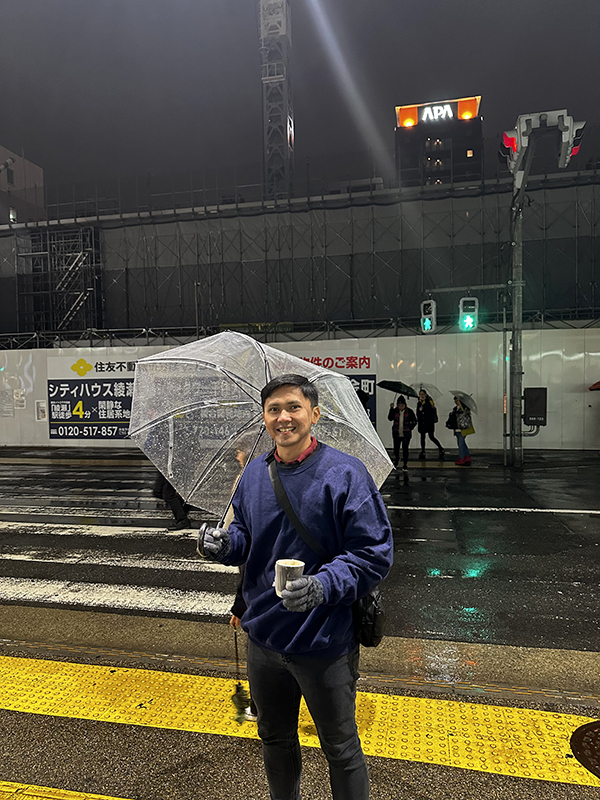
303	644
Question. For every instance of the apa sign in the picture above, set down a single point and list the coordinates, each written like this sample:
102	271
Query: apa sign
432	113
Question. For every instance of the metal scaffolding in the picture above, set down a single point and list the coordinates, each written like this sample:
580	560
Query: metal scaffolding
58	279
321	266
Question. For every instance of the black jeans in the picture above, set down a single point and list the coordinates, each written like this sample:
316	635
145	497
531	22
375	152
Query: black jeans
162	488
431	435
329	688
405	443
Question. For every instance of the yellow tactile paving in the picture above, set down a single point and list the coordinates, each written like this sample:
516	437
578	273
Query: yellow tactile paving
495	739
17	791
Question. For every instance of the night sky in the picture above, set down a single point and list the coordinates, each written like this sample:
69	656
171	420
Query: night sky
92	89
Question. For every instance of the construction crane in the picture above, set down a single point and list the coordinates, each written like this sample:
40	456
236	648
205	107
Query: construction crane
275	30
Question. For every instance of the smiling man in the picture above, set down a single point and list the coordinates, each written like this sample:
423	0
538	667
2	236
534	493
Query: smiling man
303	644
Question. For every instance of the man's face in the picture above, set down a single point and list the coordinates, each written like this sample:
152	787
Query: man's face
288	417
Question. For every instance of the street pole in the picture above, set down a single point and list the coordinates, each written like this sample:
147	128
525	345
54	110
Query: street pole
516	354
196	284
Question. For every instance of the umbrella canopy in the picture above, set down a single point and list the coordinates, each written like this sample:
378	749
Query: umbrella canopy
398	387
466	399
595	387
197	414
431	390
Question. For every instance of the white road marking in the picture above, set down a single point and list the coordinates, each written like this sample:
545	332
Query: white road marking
104	595
67	529
107	559
484	508
85	511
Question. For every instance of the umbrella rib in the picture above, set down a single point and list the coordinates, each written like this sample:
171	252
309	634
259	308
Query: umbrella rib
221	450
265	361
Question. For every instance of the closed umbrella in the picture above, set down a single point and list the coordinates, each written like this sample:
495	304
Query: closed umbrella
197	414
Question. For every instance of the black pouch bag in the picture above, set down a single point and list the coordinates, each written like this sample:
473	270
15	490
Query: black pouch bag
368	611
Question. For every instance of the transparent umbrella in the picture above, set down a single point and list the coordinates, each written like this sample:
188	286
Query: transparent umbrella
431	390
466	399
197	414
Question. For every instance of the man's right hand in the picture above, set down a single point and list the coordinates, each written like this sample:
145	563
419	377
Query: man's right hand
214	543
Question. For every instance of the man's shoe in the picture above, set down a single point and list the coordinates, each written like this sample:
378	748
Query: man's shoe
460	462
467	461
405	468
248	715
182	525
442	455
422	456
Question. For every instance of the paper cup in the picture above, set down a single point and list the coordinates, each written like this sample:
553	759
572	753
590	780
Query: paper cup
287	569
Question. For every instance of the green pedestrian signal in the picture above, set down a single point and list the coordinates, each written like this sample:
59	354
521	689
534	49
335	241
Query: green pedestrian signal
428	316
468	311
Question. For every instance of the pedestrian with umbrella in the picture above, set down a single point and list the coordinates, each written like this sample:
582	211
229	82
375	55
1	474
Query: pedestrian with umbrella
201	400
427	417
304	643
460	422
404	421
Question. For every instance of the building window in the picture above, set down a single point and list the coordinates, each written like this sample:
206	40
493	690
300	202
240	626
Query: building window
436	144
469	154
12	215
10	175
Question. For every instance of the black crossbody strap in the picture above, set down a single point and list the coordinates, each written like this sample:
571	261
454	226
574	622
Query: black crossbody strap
284	502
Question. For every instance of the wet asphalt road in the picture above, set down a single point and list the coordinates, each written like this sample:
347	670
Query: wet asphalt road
496	576
77	535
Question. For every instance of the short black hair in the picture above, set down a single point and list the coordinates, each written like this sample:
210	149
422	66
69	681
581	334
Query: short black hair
308	389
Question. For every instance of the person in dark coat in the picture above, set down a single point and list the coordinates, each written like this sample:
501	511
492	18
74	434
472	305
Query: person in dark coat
426	419
404	421
163	490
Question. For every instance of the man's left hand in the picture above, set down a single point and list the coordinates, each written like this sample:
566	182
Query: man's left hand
303	594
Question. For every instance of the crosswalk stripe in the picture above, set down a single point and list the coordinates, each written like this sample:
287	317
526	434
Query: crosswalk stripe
68	529
109	559
583	511
115	596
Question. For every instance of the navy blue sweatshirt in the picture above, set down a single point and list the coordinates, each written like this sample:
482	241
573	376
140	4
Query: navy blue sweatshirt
339	505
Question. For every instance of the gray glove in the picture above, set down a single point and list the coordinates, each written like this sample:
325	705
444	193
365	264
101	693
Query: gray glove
214	543
303	594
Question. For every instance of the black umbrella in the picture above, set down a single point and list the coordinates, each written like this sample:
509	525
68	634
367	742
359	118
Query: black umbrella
398	387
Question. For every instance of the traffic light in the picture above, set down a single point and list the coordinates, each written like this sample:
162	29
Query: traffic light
428	316
571	135
515	142
468	311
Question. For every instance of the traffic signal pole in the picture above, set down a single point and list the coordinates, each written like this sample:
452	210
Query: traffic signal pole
516	353
518	147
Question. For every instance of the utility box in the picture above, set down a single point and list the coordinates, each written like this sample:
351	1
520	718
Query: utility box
536	406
